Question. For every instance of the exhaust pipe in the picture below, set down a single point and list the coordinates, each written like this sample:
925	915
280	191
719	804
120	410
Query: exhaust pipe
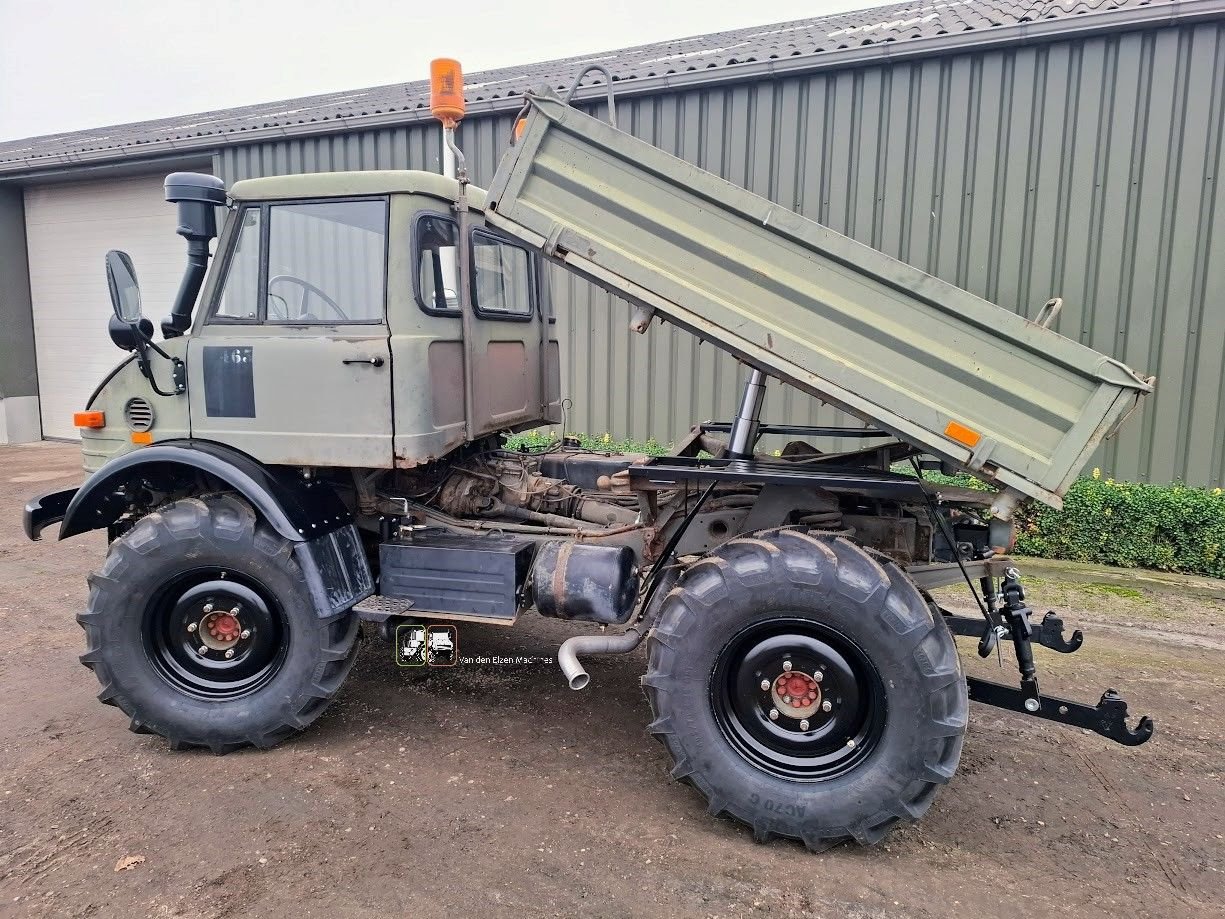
571	648
631	638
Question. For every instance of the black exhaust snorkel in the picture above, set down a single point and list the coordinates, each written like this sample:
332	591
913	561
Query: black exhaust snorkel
197	196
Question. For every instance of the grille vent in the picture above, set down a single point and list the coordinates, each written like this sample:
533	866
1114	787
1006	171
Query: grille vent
139	414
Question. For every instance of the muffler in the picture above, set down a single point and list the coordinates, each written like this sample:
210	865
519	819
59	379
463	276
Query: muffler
572	580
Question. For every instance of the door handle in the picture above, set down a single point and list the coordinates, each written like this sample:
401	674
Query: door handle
372	361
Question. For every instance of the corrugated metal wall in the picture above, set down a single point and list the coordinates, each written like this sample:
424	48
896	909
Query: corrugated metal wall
1086	169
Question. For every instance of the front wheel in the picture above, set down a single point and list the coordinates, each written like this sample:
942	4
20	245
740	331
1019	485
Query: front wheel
200	628
805	689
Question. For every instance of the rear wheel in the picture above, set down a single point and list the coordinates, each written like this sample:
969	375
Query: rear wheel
805	689
200	628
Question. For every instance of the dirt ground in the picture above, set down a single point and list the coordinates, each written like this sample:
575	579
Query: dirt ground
495	790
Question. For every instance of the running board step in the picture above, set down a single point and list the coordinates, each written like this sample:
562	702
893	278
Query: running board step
378	608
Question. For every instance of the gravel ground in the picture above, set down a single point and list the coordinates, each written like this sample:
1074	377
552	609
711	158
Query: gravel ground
495	790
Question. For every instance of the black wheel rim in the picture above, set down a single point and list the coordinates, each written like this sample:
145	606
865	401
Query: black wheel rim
830	726
202	647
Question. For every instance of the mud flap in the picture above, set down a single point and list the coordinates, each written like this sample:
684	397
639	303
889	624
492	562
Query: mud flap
336	570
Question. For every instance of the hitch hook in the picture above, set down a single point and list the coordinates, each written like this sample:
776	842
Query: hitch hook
1112	711
1050	635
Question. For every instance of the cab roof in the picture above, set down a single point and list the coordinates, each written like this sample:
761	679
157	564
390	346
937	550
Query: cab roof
351	184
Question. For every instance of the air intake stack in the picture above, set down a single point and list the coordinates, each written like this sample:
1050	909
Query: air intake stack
197	196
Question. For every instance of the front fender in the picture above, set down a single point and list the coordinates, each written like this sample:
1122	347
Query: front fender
310	514
298	510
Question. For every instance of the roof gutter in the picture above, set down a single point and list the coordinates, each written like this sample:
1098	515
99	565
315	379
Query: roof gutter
1181	12
111	168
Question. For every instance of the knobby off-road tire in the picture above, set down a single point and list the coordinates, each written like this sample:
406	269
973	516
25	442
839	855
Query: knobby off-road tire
146	622
777	607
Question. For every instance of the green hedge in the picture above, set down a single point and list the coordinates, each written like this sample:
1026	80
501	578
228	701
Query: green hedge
1130	524
539	438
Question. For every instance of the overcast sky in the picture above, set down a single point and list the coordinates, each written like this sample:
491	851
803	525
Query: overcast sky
73	64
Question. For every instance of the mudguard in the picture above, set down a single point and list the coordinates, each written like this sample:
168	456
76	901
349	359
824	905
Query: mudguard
298	510
309	513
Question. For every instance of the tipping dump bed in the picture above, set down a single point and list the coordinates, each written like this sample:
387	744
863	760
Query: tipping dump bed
933	364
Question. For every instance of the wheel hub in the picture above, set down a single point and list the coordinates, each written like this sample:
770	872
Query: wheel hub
796	694
220	631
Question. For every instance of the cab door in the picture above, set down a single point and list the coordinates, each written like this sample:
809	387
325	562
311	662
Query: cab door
476	358
507	340
290	362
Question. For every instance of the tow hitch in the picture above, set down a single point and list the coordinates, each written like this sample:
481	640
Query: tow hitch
1010	619
1108	717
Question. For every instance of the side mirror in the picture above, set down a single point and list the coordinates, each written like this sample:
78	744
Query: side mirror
125	291
128	338
129	329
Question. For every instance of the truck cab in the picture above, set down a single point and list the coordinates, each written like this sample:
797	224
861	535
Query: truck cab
330	330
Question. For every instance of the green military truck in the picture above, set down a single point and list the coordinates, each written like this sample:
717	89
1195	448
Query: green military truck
317	440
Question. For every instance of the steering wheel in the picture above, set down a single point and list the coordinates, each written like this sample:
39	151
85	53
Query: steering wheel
307	289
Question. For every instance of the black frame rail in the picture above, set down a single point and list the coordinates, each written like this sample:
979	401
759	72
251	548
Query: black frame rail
1108	717
796	430
669	470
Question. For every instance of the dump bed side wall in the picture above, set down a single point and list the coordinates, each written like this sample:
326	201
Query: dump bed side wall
894	346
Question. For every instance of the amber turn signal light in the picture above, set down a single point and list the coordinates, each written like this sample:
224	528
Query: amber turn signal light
89	419
142	437
446	90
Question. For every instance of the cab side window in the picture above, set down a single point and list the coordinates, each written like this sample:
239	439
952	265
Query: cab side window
437	264
326	262
240	293
503	286
308	262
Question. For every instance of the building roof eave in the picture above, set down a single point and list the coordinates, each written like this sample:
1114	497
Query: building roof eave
1178	12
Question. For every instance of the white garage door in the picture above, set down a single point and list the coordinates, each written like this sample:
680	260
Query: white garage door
69	229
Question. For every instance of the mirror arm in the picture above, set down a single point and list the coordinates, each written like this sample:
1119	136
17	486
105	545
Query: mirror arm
152	344
179	370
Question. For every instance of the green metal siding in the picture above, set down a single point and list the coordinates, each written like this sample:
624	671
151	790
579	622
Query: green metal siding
1085	168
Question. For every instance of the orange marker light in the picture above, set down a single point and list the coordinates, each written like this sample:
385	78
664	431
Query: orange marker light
89	419
446	90
520	127
142	437
963	435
